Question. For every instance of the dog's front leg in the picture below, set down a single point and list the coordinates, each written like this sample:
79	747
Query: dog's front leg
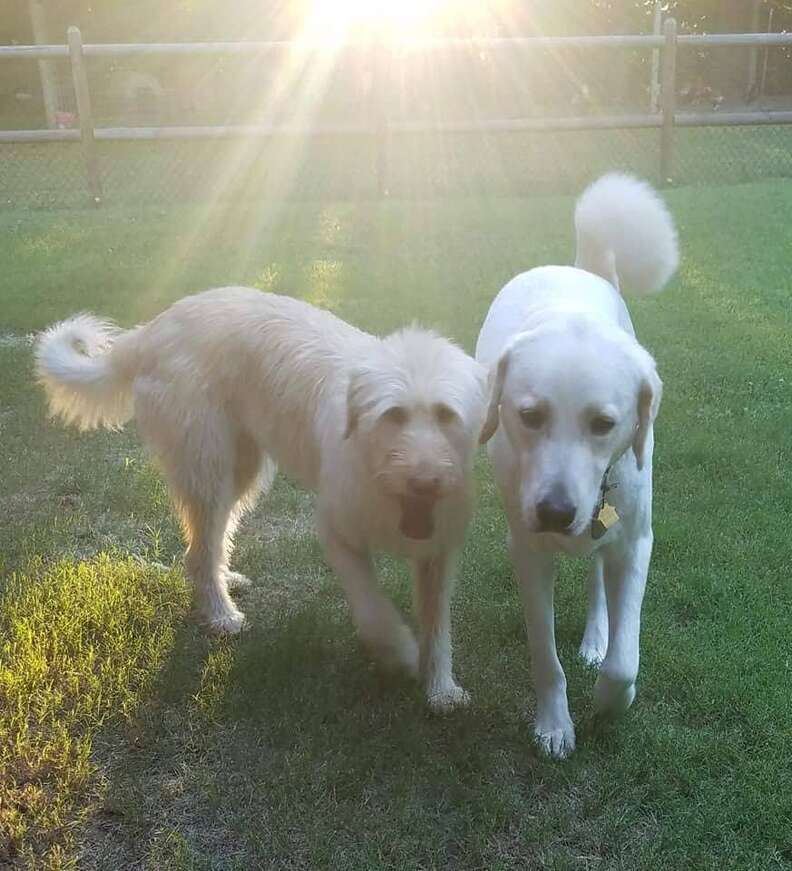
433	585
553	727
379	624
625	582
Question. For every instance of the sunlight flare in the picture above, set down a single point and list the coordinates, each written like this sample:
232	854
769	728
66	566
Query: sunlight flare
401	16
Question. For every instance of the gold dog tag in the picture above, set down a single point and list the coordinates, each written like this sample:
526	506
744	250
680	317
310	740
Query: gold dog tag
607	517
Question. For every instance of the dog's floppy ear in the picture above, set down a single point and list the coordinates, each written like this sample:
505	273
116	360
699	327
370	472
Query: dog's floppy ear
650	391
497	377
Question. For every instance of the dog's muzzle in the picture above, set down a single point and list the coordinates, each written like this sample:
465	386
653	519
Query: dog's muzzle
417	508
555	512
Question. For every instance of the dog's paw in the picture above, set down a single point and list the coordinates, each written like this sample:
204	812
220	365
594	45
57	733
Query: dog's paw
227	623
447	699
236	581
554	730
556	742
612	696
592	652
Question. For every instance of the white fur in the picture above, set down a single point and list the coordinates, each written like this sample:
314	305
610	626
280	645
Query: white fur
102	398
227	383
626	234
563	358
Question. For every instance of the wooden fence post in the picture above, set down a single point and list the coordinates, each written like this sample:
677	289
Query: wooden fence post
669	101
83	97
47	75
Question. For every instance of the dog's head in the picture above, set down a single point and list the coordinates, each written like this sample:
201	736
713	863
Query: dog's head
416	409
571	397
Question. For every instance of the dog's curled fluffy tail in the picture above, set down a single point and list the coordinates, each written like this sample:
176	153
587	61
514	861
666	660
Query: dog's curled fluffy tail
86	368
626	234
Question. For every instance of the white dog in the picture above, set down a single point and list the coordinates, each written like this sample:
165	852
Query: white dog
574	397
226	384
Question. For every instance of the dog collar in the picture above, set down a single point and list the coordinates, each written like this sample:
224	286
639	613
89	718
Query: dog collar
605	515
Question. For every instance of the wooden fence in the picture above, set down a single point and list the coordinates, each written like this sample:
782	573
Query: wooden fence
376	123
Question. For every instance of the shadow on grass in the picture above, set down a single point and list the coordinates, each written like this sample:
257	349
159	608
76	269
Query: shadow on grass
286	744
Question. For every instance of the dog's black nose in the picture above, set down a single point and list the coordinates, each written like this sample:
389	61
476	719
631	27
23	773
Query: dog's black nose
555	512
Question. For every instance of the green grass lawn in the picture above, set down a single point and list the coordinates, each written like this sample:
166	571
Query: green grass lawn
129	739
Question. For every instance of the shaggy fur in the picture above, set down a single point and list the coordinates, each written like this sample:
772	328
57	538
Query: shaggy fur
573	401
226	384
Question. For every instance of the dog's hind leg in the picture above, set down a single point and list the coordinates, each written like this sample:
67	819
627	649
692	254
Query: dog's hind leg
594	645
379	624
433	583
195	448
254	473
205	524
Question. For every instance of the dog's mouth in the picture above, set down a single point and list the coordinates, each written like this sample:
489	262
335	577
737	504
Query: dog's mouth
573	531
570	532
417	516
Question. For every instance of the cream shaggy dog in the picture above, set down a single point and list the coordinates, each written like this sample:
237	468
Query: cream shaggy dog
573	401
226	384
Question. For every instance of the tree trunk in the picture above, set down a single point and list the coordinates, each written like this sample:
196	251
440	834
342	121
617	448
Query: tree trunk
654	83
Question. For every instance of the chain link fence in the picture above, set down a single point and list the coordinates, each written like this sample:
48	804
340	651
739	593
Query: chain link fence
446	87
52	175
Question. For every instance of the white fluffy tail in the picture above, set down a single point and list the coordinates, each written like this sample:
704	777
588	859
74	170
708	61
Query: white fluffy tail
625	233
84	381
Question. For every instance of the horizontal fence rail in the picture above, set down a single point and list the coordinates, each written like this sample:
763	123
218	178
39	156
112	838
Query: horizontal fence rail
645	41
264	131
376	125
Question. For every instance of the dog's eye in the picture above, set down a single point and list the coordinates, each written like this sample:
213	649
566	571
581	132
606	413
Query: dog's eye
532	418
602	424
444	414
396	414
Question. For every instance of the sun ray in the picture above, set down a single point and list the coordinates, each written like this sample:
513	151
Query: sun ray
331	31
300	81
